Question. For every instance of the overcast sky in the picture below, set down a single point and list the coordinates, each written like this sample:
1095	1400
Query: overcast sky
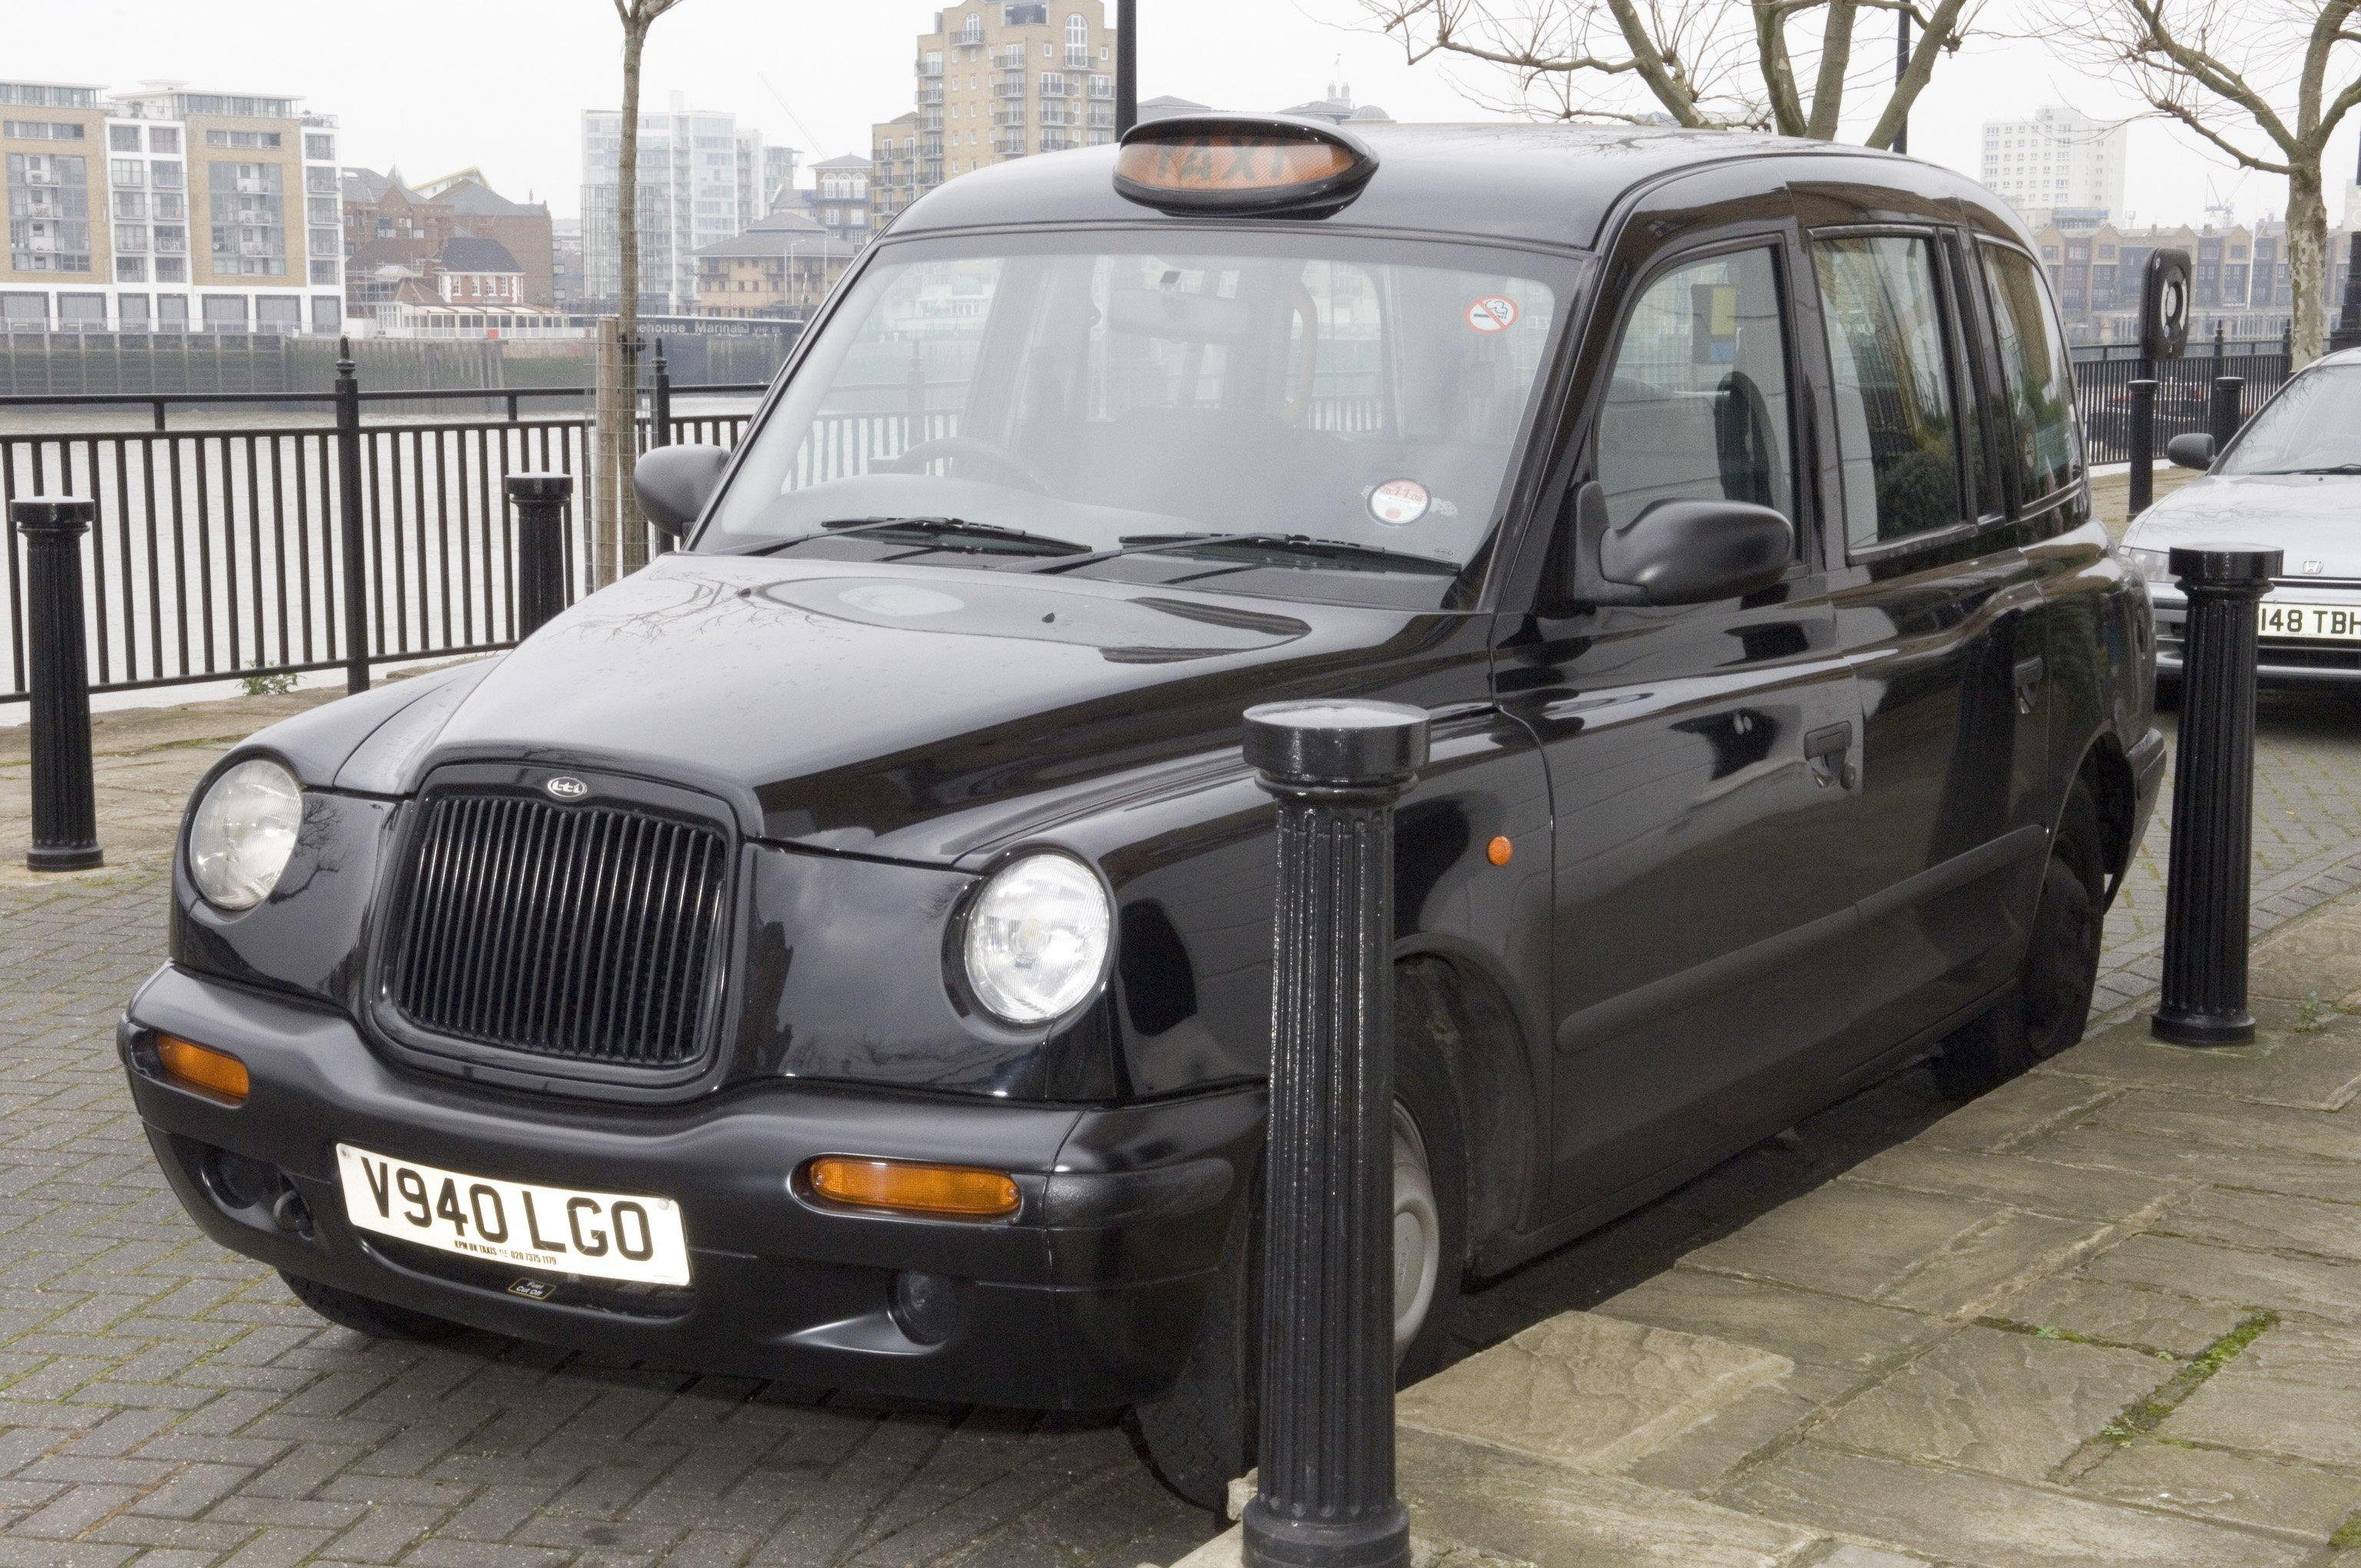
435	86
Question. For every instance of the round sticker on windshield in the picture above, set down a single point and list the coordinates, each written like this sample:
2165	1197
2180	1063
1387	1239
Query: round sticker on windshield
1398	501
1493	312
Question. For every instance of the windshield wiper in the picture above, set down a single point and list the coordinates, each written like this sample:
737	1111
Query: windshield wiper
1279	543
931	527
2332	468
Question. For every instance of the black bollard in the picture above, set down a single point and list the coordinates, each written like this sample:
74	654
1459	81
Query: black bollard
65	803
2206	884
2142	441
540	500
2223	418
351	526
1326	1494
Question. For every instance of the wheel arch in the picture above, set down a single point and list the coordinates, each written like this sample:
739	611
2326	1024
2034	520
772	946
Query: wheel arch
2106	770
1466	1014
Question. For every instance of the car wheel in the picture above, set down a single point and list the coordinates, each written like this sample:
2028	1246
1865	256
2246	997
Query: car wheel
2049	1001
376	1319
1200	1435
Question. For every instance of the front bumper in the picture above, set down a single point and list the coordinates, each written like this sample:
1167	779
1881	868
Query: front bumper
1087	1298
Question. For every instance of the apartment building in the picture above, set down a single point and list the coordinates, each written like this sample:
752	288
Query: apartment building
2238	276
781	267
388	222
167	210
701	182
2056	161
999	79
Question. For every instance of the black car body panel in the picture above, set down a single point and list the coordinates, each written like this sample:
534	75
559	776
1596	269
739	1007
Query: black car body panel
1691	871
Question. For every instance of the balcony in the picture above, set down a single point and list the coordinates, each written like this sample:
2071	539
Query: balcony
1058	87
1058	114
1057	141
928	68
1009	114
1077	57
1009	85
930	97
1008	146
1103	117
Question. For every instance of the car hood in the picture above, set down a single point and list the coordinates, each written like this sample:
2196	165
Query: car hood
918	713
2312	517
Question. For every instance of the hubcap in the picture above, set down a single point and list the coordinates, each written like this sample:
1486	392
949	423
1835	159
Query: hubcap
1417	1233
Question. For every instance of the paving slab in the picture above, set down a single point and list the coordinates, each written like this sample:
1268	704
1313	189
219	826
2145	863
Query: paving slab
2320	960
2317	1069
1958	1516
2017	1112
1588	1390
2235	1489
2067	1191
1809	1327
2121	1314
2295	1391
2268	1220
1699	1459
2261	1170
2008	1404
2313	1286
2176	1116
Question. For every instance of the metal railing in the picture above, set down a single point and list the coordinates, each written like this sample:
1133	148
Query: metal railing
220	552
2104	374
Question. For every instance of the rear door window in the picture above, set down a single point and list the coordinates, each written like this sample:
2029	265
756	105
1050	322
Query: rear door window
2040	387
1892	385
1697	407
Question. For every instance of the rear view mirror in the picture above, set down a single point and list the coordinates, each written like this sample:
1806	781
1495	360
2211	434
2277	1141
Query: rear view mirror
2194	450
675	482
1677	552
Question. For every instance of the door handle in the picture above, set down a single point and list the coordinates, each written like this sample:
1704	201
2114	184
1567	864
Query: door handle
1829	750
2028	682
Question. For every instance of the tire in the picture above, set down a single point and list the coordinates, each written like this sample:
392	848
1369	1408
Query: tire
376	1319
2049	1001
1198	1436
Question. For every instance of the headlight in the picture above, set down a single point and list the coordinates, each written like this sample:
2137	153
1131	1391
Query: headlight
242	832
2153	565
1037	938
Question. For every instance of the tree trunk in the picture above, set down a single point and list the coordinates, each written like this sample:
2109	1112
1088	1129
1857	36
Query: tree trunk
2307	231
632	530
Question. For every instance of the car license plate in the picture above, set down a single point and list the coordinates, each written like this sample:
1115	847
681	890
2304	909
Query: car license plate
607	1235
2336	622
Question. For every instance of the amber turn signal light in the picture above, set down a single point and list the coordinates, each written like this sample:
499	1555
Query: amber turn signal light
202	1066
1499	851
957	1190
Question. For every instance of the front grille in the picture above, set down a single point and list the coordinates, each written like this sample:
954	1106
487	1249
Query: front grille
586	932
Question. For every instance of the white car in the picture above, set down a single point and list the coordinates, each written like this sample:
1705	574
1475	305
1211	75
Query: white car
2291	480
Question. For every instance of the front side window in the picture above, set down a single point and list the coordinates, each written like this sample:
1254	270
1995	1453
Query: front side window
1896	434
1120	391
1696	406
2040	386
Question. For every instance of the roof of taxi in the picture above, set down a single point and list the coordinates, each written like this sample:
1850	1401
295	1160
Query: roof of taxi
1553	184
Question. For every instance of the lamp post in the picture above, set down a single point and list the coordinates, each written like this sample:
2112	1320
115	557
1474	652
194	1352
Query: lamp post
1126	65
1902	70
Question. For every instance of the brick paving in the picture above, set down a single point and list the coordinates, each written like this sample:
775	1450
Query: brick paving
166	1402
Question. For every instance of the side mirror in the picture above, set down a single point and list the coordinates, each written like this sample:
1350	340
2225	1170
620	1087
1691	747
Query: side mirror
2194	450
1690	553
675	482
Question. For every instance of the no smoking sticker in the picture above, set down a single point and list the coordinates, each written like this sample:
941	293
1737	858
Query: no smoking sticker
1493	312
1398	502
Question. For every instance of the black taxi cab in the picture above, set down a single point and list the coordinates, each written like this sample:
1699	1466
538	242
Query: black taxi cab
841	950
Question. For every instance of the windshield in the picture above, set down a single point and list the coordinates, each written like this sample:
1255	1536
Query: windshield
2311	427
1214	407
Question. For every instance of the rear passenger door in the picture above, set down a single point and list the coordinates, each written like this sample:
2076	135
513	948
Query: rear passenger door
1933	605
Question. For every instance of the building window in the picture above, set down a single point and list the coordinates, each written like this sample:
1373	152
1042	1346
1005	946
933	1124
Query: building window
279	313
225	312
319	181
128	171
327	314
131	312
131	203
82	312
120	138
48	213
19	312
164	138
972	30
130	237
323	210
249	222
1078	40
319	147
247	140
166	176
172	310
131	269
172	240
171	270
43	130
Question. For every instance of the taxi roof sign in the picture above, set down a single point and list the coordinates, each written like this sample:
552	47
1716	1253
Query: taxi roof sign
1241	163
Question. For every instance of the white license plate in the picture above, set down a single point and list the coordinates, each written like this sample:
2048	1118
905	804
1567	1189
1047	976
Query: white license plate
2335	622
606	1235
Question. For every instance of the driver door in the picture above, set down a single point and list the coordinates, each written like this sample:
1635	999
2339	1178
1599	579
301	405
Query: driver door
1703	759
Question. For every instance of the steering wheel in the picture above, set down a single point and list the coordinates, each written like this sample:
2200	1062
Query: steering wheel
913	458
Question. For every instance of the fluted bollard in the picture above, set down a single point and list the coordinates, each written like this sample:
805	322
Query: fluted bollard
2206	881
1326	1495
65	803
2141	438
540	500
2229	393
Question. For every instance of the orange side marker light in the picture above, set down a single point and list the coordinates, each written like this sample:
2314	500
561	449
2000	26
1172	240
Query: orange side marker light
956	1191
202	1066
1499	851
